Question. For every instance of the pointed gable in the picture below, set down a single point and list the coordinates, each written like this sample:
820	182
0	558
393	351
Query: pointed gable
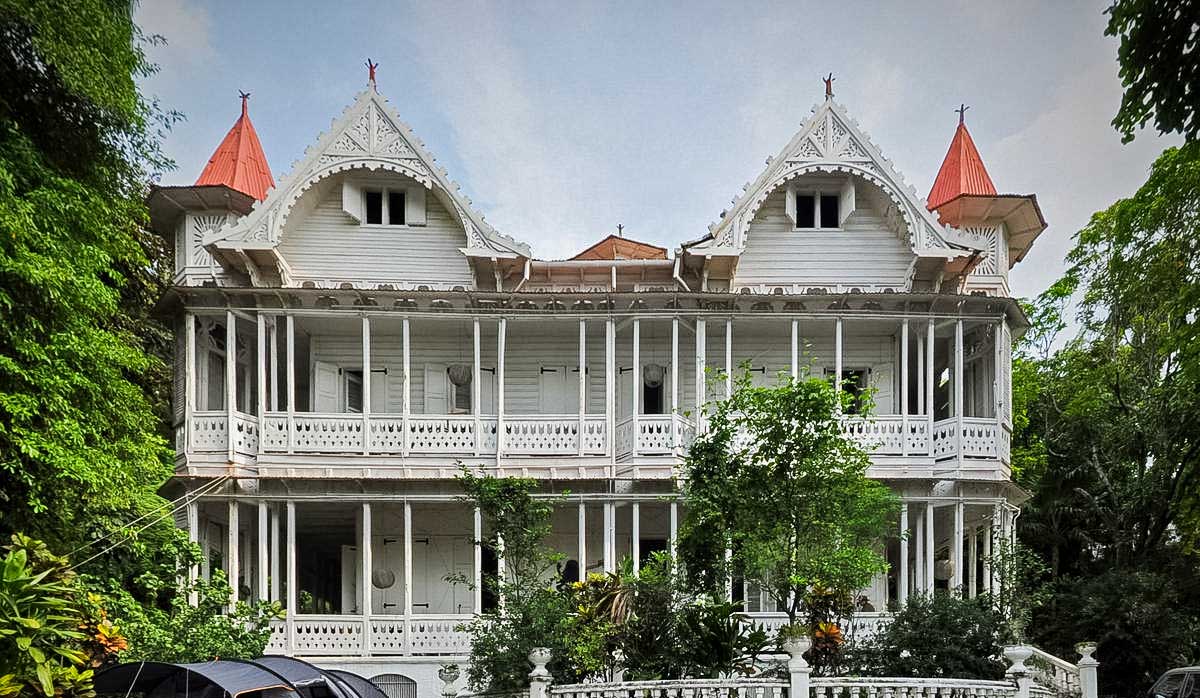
239	162
962	171
616	247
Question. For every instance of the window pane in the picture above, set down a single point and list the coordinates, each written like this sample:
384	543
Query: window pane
829	211
805	213
396	208
652	399
354	391
462	397
374	202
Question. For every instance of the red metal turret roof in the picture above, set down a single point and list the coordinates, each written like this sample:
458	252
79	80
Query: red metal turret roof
239	162
962	171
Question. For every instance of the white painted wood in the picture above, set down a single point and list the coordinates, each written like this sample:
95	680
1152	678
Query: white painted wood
581	367
366	387
958	383
972	563
904	371
352	199
930	379
292	607
795	349
956	549
501	333
635	391
837	357
476	378
231	397
728	357
930	547
610	390
582	530
478	570
189	405
609	543
276	554
674	390
326	388
902	577
701	341
406	396
919	552
846	202
264	558
789	204
436	385
291	383
414	205
882	378
408	565
193	523
364	593
635	542
261	352
674	530
233	558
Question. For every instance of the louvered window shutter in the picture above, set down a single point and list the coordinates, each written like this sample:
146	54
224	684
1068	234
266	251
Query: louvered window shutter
352	200
414	205
846	202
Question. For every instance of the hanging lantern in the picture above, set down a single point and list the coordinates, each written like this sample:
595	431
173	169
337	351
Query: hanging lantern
652	375
943	569
383	578
460	374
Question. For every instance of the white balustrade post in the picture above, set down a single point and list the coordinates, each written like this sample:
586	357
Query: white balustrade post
634	389
582	383
291	388
478	571
1089	682
230	378
501	331
190	375
930	548
366	386
292	609
365	584
539	679
902	595
635	543
476	377
1018	671
260	574
233	563
406	392
904	387
798	668
956	550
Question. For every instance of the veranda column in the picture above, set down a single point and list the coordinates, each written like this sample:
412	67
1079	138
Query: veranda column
958	387
972	562
610	529
956	549
919	554
478	550
232	565
189	388
675	444
263	551
193	519
636	378
408	577
365	575
929	381
635	542
366	388
795	349
230	379
920	374
291	393
989	534
904	387
500	337
674	527
276	555
610	392
261	322
292	610
701	340
837	353
582	382
406	393
930	548
582	540
728	357
273	343
902	594
476	377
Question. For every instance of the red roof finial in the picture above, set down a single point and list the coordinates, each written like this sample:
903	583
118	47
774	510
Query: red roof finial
829	86
239	162
962	171
371	72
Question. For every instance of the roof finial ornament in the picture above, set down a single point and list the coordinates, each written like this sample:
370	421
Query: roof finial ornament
371	72
829	86
962	110
245	98
620	230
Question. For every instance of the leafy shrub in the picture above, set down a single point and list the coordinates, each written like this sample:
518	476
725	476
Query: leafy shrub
941	636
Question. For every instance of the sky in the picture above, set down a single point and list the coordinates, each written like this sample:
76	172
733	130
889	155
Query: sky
561	120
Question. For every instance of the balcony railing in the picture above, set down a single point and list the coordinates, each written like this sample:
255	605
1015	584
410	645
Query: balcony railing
554	435
338	635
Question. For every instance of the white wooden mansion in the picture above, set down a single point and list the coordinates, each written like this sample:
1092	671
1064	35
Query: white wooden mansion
348	335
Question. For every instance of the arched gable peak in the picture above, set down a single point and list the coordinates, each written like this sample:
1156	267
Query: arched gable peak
368	135
832	142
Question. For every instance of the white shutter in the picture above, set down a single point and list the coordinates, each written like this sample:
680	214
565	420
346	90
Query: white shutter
351	574
326	379
379	391
1005	375
789	204
352	200
414	205
487	392
882	378
558	390
846	201
436	389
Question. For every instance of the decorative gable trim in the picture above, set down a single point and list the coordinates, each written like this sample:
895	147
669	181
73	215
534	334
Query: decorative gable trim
368	135
832	142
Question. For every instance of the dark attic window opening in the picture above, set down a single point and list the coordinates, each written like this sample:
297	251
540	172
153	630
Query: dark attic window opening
805	211
374	203
829	211
395	208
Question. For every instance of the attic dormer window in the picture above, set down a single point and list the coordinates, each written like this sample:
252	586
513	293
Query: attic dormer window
383	205
817	211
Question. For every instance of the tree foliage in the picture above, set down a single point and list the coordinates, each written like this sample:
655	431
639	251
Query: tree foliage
774	479
1159	56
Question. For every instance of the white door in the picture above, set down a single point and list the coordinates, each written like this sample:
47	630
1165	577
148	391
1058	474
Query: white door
379	393
558	390
325	388
387	560
436	389
882	378
351	578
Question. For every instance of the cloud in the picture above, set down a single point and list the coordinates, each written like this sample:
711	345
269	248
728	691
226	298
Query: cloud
184	26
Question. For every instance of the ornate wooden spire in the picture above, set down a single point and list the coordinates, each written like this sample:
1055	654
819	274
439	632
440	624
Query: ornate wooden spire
239	162
962	170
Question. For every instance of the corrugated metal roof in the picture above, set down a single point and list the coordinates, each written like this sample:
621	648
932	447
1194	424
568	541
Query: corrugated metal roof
962	172
239	162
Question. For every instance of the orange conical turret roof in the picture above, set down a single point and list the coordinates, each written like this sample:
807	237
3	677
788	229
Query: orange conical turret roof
239	162
962	171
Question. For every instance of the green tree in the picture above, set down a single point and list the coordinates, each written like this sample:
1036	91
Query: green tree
774	479
81	447
1160	65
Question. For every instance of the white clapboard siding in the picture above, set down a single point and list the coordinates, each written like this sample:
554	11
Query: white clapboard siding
322	241
864	252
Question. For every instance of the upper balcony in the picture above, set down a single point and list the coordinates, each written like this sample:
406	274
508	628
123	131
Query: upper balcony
360	394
